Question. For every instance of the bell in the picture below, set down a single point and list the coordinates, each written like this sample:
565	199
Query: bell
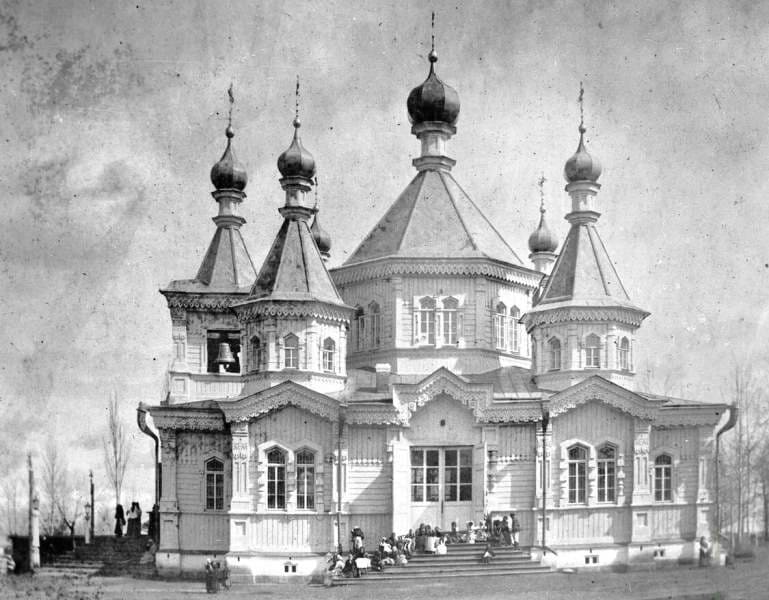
225	354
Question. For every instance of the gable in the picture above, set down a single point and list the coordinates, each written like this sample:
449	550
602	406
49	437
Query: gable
599	389
282	395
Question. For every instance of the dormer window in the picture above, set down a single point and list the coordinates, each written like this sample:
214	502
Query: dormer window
624	354
593	352
291	352
221	358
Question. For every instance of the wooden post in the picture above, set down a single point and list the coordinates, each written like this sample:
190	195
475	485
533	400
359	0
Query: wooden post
34	515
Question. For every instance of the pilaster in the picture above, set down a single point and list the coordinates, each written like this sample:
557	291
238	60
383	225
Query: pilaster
641	530
547	456
241	458
169	507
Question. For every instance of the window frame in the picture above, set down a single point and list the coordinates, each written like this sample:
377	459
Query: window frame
577	475
592	351
305	480
500	326
294	354
255	345
449	321
554	348
606	490
276	475
375	324
218	484
514	336
623	351
328	355
665	491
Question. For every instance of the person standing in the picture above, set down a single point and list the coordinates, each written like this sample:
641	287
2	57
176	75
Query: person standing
515	528
119	520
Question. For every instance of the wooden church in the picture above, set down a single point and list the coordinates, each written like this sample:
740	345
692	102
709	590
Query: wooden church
432	378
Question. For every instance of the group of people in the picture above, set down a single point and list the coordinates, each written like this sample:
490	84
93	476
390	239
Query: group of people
216	575
390	551
133	518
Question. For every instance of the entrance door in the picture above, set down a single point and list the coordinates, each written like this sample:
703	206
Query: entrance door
441	486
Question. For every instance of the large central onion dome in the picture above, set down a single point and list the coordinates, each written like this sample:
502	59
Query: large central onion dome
296	161
433	100
229	173
582	166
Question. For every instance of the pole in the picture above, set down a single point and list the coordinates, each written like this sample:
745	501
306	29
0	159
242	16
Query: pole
545	421
34	514
339	486
90	475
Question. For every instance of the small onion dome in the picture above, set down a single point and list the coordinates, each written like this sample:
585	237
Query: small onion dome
433	100
296	161
543	240
582	166
229	173
322	238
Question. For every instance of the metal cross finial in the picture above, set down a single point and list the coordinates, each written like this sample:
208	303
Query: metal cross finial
231	94
432	33
541	182
297	97
581	107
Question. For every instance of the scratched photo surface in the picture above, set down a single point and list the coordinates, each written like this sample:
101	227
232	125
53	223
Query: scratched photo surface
113	114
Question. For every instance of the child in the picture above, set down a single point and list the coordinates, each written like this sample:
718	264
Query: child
488	554
440	547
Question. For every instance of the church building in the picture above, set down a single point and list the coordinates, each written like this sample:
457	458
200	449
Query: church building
435	377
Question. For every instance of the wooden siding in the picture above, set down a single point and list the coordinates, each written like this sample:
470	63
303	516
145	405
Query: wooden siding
367	445
369	488
287	532
291	426
589	525
459	426
192	451
204	531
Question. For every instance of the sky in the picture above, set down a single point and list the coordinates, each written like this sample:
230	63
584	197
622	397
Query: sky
112	114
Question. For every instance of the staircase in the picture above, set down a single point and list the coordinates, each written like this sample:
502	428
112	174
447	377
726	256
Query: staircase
107	555
461	560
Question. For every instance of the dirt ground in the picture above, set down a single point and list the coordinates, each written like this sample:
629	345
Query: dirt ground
748	580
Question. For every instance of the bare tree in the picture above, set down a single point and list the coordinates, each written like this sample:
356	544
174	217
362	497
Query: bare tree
116	447
54	478
12	507
70	504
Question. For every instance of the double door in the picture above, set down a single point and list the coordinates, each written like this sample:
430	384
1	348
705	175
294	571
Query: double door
441	486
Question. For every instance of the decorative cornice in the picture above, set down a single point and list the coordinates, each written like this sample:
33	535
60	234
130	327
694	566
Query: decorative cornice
598	388
689	416
284	394
541	315
388	267
251	310
370	414
207	302
186	419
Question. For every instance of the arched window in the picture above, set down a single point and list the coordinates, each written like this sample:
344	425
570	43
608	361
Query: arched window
577	474
214	484
305	479
375	318
329	349
593	352
607	469
426	320
515	329
554	350
276	479
500	326
360	328
256	353
663	478
624	354
449	320
291	351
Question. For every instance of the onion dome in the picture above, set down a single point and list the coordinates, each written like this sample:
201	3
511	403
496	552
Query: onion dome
433	100
229	173
321	237
296	161
582	166
542	239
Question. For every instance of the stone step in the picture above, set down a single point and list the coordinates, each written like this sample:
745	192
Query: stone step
471	553
404	574
448	564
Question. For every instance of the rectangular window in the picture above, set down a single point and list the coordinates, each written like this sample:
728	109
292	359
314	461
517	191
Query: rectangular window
427	326
500	331
662	481
606	481
425	473
305	480
214	485
449	326
577	476
458	475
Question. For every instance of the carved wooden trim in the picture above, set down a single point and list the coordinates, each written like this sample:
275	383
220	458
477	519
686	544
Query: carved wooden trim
598	388
284	394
